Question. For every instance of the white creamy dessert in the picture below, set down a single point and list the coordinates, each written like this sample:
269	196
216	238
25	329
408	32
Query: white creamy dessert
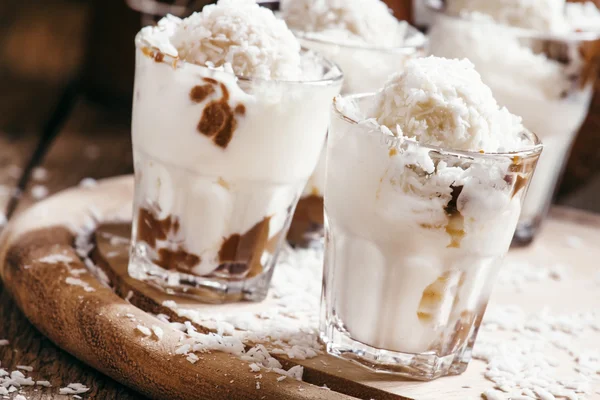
533	72
415	235
229	117
368	43
362	36
542	15
359	21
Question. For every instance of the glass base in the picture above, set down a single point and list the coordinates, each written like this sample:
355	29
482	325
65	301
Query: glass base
307	227
525	232
423	366
201	288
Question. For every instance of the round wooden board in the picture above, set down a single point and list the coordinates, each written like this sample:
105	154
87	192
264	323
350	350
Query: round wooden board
93	325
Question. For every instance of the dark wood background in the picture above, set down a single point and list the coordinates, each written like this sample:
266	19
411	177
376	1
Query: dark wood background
66	76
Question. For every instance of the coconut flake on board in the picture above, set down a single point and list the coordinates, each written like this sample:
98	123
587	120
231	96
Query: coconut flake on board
519	366
74	388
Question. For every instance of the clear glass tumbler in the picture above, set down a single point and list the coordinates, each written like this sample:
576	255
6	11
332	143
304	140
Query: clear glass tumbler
366	69
547	79
220	162
414	238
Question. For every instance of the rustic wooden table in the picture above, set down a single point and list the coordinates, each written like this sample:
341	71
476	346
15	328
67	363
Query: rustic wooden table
52	136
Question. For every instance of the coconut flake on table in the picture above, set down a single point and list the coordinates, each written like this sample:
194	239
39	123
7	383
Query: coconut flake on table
78	282
144	330
55	259
233	34
39	192
14	379
574	242
84	244
158	332
520	273
289	327
524	364
362	21
39	174
88	183
74	388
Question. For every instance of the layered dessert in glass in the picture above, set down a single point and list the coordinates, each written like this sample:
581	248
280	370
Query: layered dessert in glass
229	118
425	184
368	43
540	60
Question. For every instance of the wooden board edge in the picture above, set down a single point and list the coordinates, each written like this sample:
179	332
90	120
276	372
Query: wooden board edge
90	321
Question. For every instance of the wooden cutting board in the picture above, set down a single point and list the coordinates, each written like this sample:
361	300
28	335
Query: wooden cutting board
90	322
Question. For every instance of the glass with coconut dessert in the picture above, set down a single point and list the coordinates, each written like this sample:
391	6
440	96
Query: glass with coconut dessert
425	183
368	43
540	59
229	117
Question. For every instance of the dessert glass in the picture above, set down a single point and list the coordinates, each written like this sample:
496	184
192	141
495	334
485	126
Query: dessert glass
220	162
414	238
366	69
547	79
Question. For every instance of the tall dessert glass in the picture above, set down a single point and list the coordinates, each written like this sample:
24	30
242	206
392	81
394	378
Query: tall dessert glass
366	68
547	79
220	162
414	238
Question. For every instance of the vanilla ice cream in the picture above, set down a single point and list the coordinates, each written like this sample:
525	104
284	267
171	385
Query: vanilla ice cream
369	44
421	205
229	117
535	73
450	108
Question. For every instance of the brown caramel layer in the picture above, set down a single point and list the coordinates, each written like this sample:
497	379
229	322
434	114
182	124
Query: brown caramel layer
218	119
308	218
151	229
199	93
456	222
240	255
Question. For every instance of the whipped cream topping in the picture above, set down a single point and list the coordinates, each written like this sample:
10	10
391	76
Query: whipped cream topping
444	103
367	21
238	35
556	16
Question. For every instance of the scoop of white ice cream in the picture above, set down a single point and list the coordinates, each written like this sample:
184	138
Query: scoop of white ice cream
369	21
541	15
236	33
444	103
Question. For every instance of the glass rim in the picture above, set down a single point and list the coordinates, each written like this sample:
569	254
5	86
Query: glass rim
321	39
141	43
525	153
438	8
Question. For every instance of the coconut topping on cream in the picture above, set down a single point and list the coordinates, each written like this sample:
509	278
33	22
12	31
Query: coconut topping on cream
555	16
368	21
443	102
238	35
